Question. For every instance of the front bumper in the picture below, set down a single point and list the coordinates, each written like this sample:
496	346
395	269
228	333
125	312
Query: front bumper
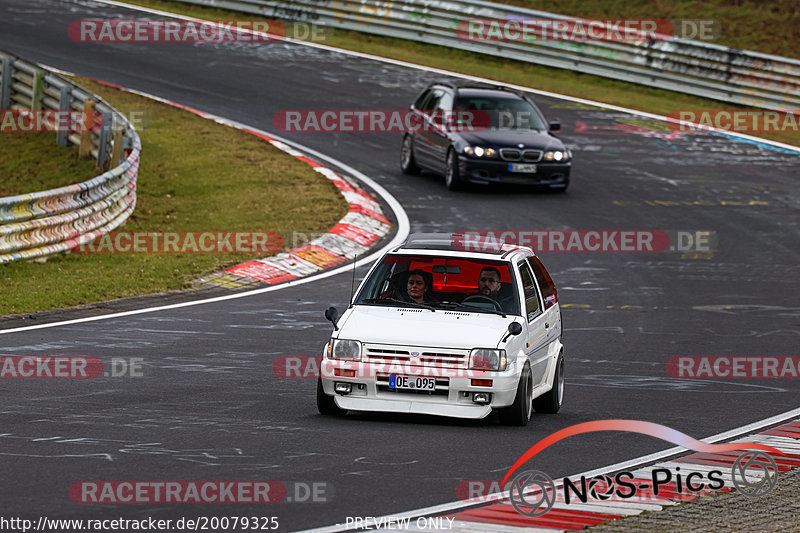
453	396
484	171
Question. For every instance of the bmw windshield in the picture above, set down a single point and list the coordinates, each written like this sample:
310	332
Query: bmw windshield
501	113
469	285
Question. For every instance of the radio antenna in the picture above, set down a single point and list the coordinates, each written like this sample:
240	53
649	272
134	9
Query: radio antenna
353	283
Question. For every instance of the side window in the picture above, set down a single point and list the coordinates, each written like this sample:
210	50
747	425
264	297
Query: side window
432	102
446	103
529	288
549	292
421	99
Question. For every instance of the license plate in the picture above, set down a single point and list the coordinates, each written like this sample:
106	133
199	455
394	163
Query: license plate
519	167
411	383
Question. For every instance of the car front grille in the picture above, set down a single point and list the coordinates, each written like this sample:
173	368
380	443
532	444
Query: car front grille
402	355
510	154
531	156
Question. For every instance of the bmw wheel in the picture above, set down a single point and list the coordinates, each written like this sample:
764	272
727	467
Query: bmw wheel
452	179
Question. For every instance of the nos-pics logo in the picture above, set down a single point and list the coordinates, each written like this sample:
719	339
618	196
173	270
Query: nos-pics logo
533	493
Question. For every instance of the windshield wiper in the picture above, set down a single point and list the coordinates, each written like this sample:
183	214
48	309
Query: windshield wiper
455	305
395	300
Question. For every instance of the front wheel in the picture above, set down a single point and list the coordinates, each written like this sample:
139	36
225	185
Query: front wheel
519	412
326	405
452	179
550	402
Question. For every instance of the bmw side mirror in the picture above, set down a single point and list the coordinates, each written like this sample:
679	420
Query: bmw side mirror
332	314
555	126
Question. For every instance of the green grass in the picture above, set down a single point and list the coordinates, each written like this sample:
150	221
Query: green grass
194	175
34	162
782	17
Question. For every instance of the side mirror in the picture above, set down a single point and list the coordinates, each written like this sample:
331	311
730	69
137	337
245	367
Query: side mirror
555	126
515	328
332	314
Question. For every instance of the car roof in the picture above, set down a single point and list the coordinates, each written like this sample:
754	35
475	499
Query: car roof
474	88
458	245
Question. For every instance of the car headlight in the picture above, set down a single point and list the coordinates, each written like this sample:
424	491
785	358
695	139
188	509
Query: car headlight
556	155
487	359
344	349
480	151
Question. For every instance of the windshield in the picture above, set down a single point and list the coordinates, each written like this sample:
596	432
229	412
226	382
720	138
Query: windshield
468	285
501	113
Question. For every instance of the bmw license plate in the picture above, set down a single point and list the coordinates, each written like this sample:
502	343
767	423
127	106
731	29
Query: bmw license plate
411	383
520	167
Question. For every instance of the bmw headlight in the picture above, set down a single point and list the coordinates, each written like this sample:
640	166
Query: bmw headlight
344	349
487	359
556	155
480	151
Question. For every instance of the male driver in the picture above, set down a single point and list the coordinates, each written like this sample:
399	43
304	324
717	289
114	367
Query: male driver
489	283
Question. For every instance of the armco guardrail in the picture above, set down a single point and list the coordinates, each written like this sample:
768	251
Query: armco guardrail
43	223
693	67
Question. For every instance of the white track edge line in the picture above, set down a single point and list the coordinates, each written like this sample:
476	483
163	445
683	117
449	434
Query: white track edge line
452	506
459	75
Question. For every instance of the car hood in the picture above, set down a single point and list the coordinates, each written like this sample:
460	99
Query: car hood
422	327
513	138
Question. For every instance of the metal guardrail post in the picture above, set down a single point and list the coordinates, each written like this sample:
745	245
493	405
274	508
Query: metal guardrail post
88	123
116	147
105	137
5	83
62	135
38	90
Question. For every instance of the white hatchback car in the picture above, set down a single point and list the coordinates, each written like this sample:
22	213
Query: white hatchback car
436	329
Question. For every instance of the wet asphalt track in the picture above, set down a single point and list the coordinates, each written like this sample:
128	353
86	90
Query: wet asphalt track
209	405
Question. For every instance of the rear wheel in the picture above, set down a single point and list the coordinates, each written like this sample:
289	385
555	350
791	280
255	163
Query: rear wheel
407	162
519	412
452	179
550	402
326	404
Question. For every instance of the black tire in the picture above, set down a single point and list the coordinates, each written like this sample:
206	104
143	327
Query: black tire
452	179
407	162
326	404
550	402
519	412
